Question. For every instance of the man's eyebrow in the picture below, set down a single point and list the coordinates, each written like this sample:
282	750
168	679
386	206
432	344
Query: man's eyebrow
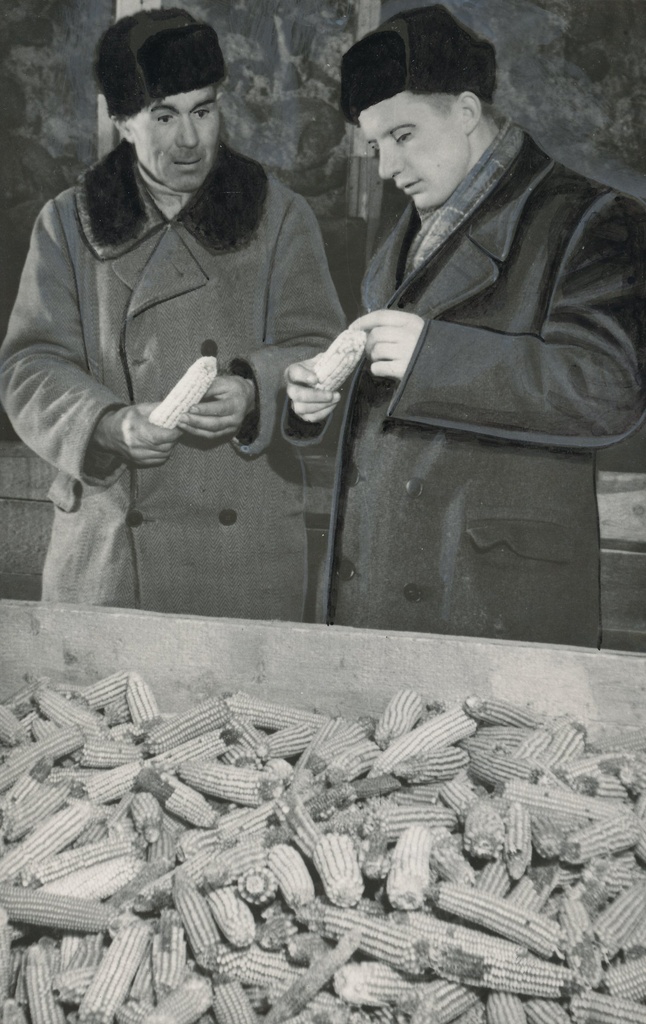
203	103
163	106
398	127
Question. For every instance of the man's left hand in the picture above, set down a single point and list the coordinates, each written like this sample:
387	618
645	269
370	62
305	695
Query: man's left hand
223	409
392	339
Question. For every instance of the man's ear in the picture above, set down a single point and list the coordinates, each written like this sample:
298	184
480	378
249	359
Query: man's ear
470	110
122	124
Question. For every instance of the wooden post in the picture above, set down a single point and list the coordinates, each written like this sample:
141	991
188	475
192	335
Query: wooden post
106	134
364	190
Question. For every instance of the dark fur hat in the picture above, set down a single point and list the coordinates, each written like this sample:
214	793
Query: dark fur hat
154	54
421	51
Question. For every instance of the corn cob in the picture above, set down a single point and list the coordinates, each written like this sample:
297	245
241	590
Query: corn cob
53	834
80	951
98	881
581	952
335	365
445	1002
344	737
108	754
615	925
108	786
352	763
40	803
142	989
535	931
146	814
198	921
544	1011
326	801
501	712
401	714
142	703
371	983
484	830
558	804
393	819
627	980
109	986
12	731
231	1005
257	886
494	878
526	895
505	1008
433	766
256	966
593	1008
189	390
6	933
296	997
374	857
42	728
518	840
168	953
294	880
100	693
335	860
245	820
232	916
47	910
71	985
228	865
59	743
290	741
132	1012
457	793
391	943
206	716
68	713
409	877
269	715
305	947
13	1013
442	731
226	782
43	1008
207	747
447	859
612	835
278	928
117	712
176	797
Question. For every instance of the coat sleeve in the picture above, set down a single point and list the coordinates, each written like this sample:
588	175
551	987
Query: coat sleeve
303	315
580	382
47	391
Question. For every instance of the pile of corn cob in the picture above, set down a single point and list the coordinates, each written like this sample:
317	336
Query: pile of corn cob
245	861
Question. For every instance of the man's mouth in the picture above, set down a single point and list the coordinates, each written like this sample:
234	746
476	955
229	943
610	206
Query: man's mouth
186	163
410	186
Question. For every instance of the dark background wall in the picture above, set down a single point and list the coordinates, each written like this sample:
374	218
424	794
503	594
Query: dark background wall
571	71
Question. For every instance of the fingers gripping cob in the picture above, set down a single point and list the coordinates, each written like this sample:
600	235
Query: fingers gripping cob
188	390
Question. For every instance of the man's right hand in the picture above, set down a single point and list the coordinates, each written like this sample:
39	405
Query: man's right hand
127	432
308	401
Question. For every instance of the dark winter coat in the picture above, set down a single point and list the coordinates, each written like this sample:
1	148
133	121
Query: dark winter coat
115	304
465	501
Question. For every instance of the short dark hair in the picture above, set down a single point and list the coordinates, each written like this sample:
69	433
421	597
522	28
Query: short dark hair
425	50
153	54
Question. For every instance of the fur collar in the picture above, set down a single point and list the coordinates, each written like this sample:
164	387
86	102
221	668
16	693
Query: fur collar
116	214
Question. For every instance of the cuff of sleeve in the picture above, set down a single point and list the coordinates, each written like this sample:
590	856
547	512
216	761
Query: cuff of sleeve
298	431
249	427
101	467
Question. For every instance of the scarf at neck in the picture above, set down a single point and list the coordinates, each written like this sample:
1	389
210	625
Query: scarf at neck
166	199
438	224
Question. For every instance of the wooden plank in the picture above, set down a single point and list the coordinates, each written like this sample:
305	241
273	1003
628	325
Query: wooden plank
623	590
25	527
22	473
336	669
621	498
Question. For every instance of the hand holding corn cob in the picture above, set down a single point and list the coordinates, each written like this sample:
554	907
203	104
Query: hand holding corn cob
187	392
312	385
392	337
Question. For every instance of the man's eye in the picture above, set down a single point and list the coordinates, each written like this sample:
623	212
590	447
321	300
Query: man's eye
203	112
403	137
164	118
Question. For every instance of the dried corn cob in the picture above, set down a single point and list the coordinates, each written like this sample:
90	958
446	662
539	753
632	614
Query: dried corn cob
335	859
142	702
24	815
257	886
393	818
371	983
142	989
146	814
409	877
55	833
232	916
535	931
71	985
114	975
13	1013
279	927
382	939
518	840
494	878
401	714
43	1008
447	859
505	1008
68	713
298	995
231	1005
206	747
627	980
484	830
615	925
189	390
256	966
290	871
206	716
108	786
433	766
198	921
98	881
176	797
581	951
335	365
12	731
108	754
59	743
374	857
228	782
100	693
501	712
441	731
294	814
269	715
526	895
47	910
352	763
168	953
544	1011
291	740
558	804
606	837
593	1008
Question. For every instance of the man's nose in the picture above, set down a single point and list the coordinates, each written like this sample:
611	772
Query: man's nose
186	136
389	162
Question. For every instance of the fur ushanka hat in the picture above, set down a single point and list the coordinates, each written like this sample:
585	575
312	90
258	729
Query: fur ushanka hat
154	54
425	50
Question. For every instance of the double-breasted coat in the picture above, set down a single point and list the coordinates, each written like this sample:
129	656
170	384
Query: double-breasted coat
114	305
465	497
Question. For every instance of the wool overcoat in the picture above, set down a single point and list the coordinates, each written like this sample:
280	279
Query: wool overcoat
114	305
465	497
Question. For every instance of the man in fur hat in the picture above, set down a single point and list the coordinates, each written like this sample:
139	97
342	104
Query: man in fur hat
505	346
171	247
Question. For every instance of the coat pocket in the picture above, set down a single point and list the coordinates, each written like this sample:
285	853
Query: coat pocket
66	492
528	538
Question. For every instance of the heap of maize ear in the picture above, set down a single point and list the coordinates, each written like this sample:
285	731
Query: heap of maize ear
464	863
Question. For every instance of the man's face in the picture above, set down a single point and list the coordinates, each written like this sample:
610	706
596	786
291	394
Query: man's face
422	143
176	138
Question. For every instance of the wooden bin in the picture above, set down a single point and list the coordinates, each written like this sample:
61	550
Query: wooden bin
336	669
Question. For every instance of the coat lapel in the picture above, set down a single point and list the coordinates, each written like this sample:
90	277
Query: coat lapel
170	271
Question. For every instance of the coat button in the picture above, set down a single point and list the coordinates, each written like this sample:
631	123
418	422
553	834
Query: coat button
346	569
134	517
401	303
412	593
354	476
209	347
414	487
228	516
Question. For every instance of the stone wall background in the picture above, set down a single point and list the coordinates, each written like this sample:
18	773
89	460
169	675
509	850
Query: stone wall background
571	72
